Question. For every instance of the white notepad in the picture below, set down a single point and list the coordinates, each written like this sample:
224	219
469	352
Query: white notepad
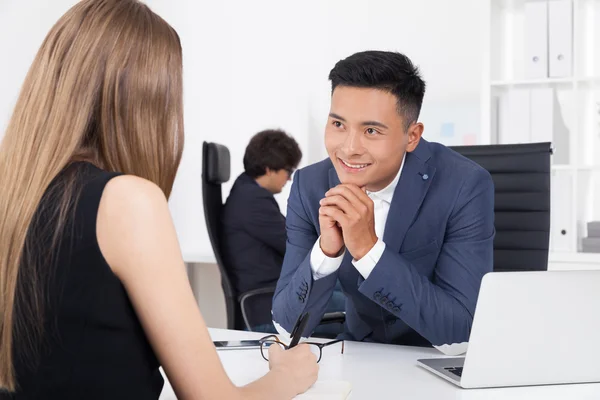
327	390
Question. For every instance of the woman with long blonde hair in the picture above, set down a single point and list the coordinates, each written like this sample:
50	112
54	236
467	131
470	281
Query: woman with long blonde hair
93	291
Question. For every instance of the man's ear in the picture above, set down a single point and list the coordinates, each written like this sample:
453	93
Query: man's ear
415	131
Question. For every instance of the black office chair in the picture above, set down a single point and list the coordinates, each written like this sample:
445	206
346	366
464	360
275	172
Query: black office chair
521	175
216	167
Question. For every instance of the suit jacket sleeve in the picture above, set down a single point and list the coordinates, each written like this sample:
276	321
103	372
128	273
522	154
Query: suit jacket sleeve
297	291
265	222
441	310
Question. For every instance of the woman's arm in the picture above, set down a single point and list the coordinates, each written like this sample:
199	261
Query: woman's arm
138	240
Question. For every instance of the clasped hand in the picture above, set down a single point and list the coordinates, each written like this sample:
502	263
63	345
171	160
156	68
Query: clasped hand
347	219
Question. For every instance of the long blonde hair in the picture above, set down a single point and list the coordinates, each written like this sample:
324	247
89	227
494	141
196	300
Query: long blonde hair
106	87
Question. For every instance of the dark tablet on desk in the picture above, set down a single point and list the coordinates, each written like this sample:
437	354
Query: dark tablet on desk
237	344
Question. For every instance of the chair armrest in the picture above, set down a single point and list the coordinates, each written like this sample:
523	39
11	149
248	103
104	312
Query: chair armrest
244	297
338	317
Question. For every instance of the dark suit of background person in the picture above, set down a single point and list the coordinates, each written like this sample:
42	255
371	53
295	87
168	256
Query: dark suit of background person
254	239
408	224
255	243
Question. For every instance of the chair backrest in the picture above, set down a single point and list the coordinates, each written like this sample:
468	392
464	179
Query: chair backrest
216	167
521	175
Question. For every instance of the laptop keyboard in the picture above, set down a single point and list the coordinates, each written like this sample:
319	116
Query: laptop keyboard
455	370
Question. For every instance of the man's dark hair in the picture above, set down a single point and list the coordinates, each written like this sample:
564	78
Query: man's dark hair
389	71
273	149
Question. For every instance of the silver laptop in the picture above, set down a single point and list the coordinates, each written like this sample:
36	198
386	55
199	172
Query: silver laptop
530	328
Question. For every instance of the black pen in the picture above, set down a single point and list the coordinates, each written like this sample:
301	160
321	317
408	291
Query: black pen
298	330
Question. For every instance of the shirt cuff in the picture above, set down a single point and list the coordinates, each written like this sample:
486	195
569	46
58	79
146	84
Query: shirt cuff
454	349
366	264
322	265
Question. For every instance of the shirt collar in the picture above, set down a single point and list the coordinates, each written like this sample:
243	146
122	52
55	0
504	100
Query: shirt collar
387	193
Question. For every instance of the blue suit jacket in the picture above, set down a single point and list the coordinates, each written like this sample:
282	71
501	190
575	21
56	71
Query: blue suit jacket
439	243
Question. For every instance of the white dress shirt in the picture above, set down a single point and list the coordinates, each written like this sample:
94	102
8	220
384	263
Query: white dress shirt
322	265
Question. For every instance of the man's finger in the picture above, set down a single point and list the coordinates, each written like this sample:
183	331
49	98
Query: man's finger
327	222
353	194
341	202
342	190
335	213
361	193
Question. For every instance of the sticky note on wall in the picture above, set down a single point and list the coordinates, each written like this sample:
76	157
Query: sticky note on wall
447	130
469	139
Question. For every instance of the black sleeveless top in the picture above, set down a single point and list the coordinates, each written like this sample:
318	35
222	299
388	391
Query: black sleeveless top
93	346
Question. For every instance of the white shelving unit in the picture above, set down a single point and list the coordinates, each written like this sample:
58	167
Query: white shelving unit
576	160
546	82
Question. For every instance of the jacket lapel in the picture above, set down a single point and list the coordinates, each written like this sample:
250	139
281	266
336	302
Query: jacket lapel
410	192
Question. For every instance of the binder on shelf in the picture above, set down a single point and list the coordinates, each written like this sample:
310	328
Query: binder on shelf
562	232
536	39
495	119
542	115
596	112
533	115
515	117
590	245
560	38
560	131
547	124
592	142
593	229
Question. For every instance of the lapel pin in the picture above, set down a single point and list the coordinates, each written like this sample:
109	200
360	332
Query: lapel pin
425	177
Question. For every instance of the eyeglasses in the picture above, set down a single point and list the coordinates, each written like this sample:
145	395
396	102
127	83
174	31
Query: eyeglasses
289	171
315	348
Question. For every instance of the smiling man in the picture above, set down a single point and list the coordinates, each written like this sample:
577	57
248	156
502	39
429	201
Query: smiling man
406	225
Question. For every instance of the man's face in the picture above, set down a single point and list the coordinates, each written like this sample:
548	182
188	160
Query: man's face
278	179
365	136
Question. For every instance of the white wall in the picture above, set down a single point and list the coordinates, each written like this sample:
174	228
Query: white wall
23	26
260	64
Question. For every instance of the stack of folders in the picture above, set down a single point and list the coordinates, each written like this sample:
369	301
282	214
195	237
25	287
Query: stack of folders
591	243
531	116
548	39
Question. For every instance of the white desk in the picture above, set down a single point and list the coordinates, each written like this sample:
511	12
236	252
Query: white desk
385	371
198	258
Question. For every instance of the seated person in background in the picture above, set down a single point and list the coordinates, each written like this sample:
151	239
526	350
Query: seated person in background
94	293
253	227
407	226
